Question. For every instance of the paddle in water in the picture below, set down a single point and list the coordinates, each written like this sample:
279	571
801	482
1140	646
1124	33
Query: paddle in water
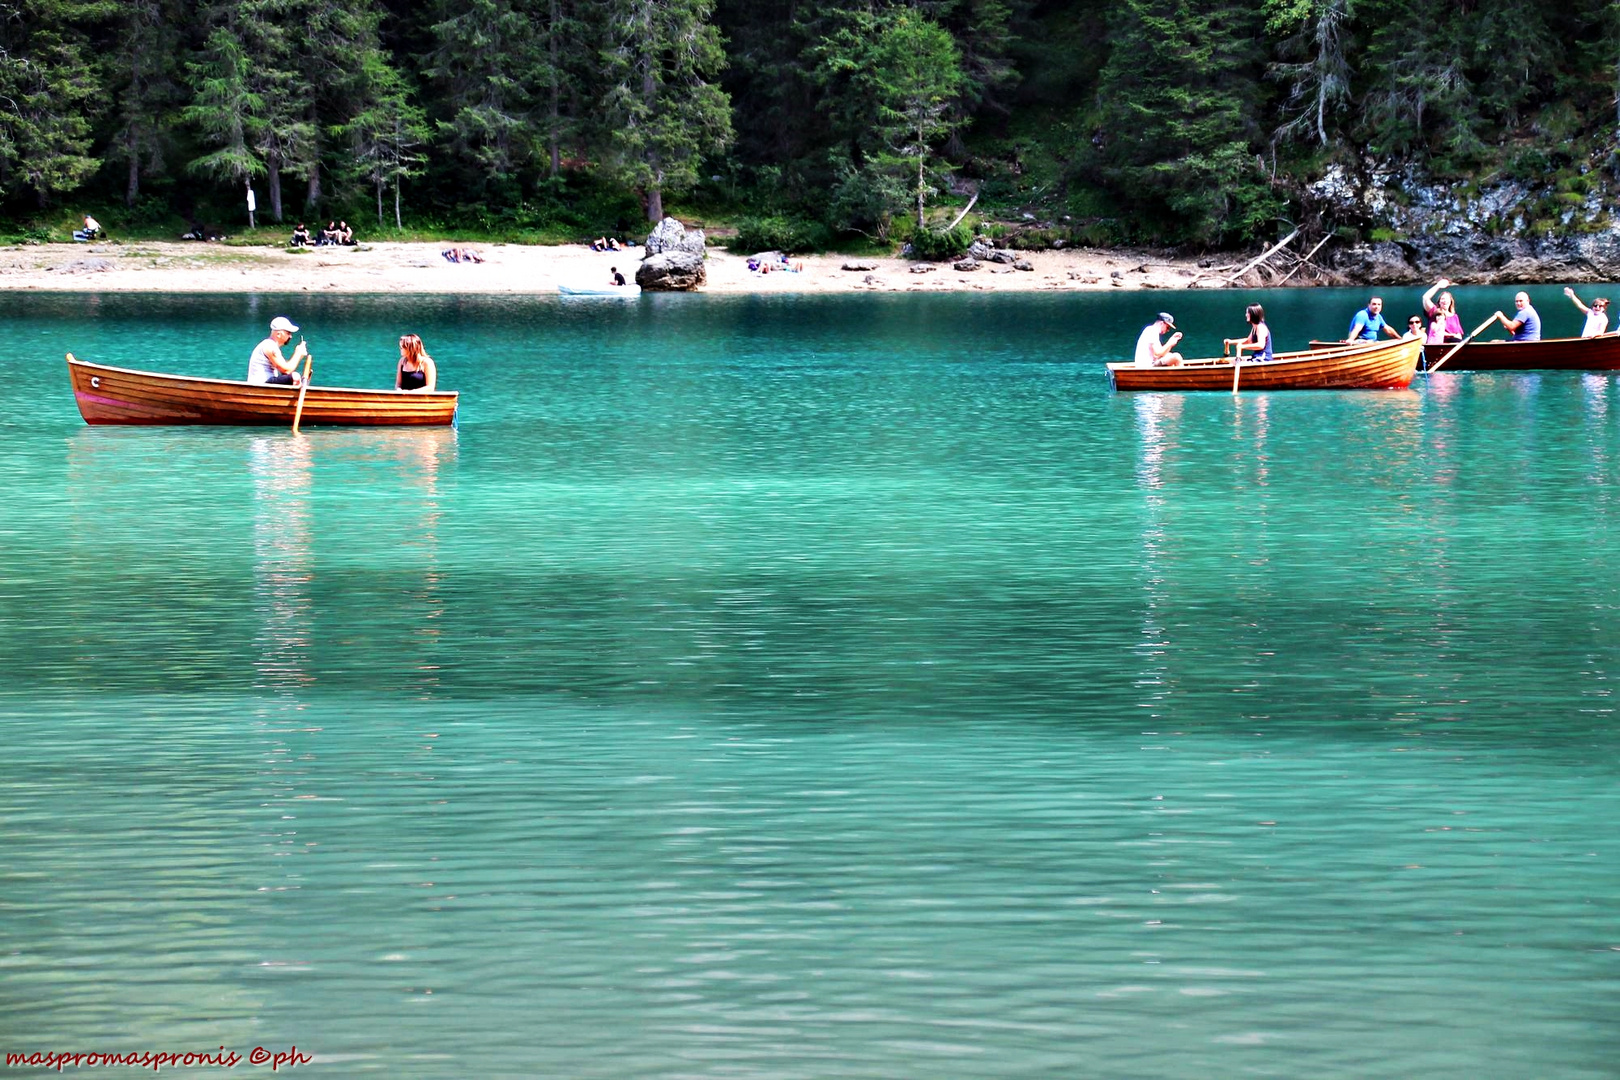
1434	367
309	363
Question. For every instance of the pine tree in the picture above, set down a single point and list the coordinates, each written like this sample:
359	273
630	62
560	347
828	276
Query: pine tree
225	108
1177	101
483	60
284	138
386	135
1319	84
663	111
342	53
144	65
50	92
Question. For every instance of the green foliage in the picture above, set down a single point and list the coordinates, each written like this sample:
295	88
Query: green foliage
1194	121
929	243
779	233
664	111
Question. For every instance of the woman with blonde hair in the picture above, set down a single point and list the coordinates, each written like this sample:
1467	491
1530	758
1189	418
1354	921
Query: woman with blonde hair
416	368
1445	325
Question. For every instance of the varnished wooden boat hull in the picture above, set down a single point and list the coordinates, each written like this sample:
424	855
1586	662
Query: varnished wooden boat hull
110	395
1548	354
1378	366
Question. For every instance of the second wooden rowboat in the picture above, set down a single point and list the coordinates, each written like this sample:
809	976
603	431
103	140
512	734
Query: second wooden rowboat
1386	365
1600	353
113	395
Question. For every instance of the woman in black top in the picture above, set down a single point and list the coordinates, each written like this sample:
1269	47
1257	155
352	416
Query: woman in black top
416	368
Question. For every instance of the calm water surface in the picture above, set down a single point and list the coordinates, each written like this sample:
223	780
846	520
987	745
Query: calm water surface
811	687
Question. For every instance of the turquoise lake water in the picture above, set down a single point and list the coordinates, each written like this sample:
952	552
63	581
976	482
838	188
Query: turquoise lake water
843	686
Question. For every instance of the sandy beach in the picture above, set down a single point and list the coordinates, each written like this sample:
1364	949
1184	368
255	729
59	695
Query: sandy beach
139	266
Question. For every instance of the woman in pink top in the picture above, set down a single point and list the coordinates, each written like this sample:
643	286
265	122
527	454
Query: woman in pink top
1444	323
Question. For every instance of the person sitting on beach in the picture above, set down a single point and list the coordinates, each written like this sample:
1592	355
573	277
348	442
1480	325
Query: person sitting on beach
599	244
1527	326
618	278
329	235
614	245
267	366
1369	322
1445	324
300	236
1150	351
416	371
1597	316
91	230
1258	341
345	234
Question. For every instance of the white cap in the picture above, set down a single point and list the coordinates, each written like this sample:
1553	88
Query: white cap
281	322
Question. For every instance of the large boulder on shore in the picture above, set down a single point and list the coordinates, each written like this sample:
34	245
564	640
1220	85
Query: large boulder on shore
672	271
1382	263
671	235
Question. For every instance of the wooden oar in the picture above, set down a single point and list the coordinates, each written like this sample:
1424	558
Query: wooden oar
298	413
1434	367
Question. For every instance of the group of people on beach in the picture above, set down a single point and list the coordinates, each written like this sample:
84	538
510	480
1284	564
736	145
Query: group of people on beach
336	233
606	243
1443	326
416	370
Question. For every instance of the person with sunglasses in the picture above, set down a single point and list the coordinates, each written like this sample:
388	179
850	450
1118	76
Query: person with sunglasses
1597	316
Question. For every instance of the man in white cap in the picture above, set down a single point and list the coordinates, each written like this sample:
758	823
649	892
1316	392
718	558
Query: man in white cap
266	365
1150	351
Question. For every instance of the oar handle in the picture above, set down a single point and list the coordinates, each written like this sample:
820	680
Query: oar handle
298	413
1453	350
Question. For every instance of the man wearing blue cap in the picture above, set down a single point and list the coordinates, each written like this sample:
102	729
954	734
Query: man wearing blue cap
267	365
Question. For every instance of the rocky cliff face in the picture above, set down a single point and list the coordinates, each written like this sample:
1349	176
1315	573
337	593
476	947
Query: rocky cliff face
1511	231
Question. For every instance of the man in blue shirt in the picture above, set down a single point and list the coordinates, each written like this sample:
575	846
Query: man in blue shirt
1527	326
1369	321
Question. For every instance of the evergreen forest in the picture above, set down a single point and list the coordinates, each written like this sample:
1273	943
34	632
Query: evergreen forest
806	123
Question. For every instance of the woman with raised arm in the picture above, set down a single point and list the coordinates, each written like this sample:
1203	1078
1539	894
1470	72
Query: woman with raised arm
1444	324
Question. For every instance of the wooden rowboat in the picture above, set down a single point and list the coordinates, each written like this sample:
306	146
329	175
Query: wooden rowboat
1549	354
111	395
1600	353
1387	365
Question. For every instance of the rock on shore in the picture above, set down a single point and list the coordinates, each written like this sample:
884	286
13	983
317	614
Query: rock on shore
671	271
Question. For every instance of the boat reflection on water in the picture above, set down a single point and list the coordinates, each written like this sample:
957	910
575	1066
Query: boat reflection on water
283	559
390	542
1158	427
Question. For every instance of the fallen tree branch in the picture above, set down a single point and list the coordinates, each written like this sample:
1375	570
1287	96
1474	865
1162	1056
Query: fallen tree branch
964	212
1263	256
1306	261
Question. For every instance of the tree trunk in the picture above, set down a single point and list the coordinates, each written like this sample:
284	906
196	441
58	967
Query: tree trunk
556	94
273	182
379	203
133	191
920	186
313	194
655	205
398	224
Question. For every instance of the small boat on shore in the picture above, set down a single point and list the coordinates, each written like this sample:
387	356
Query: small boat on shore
623	292
113	395
1386	365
